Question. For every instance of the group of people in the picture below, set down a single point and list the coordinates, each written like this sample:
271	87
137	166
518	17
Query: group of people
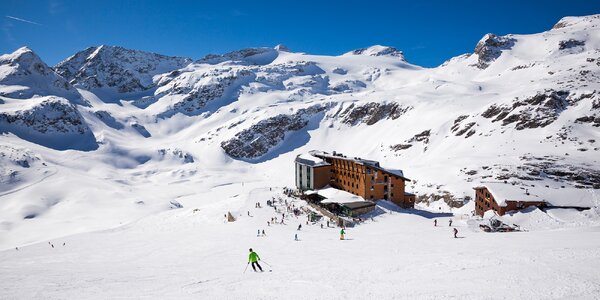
455	230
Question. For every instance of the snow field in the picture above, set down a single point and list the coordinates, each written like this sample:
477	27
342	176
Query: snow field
191	254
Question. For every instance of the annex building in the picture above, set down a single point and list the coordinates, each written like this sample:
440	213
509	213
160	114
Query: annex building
504	197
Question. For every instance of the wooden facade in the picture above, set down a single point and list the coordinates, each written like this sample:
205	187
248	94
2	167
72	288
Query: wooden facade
360	177
484	201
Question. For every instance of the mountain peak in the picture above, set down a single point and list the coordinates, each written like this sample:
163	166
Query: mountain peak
378	50
282	47
118	68
24	68
490	47
577	21
246	56
23	55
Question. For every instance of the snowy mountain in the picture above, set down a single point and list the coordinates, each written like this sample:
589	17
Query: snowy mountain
24	75
378	50
133	160
133	131
118	68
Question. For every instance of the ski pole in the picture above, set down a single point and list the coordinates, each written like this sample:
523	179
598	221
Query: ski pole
266	263
246	268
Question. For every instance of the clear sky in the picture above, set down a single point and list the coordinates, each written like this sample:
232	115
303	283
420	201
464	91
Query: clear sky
429	32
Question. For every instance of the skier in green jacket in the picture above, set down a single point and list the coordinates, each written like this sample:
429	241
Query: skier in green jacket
342	233
254	258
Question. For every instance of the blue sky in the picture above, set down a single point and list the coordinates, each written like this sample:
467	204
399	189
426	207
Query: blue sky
429	32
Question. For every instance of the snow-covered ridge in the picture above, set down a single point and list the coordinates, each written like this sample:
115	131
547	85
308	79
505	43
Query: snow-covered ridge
24	75
49	121
378	50
248	56
115	67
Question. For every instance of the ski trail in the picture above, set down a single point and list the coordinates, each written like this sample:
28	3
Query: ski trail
29	185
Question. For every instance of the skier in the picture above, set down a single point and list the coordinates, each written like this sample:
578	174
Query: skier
321	225
263	233
258	233
254	258
455	232
342	233
450	223
434	222
296	237
299	226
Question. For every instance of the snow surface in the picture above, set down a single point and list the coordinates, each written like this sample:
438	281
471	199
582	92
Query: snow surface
125	206
192	253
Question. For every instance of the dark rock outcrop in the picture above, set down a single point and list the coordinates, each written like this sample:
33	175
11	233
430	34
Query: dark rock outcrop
371	113
261	137
490	47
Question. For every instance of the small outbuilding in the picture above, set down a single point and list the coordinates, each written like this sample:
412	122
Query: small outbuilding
341	202
504	197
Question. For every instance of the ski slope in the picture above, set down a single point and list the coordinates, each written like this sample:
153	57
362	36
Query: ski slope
187	254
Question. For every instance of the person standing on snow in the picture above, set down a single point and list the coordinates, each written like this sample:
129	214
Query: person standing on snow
434	222
342	233
450	223
455	232
299	226
254	258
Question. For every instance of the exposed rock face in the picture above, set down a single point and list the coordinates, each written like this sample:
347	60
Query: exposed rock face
118	68
371	113
108	119
52	122
378	50
421	137
459	128
176	153
25	70
248	56
141	130
532	112
261	137
399	147
538	168
281	47
490	47
570	43
203	88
